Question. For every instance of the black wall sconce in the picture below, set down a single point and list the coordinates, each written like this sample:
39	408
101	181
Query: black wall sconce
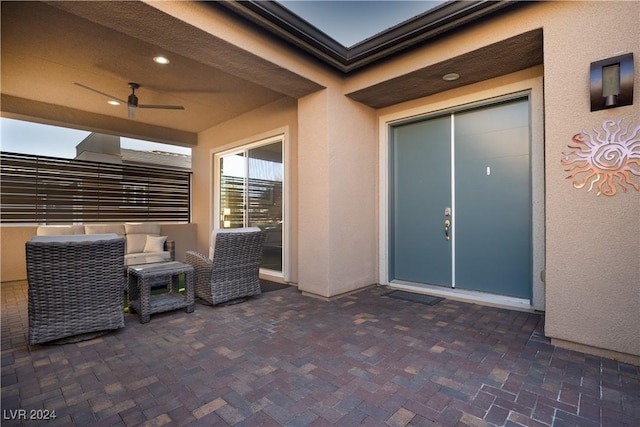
612	82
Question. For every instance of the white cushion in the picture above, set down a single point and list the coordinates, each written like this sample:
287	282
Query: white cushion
104	228
154	244
145	228
58	230
214	233
136	234
135	243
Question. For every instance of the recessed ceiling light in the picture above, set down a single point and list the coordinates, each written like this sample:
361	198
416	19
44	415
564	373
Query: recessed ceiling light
113	102
161	60
451	77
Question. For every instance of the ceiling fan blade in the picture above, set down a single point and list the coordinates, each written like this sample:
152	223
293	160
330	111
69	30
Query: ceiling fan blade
132	102
101	93
162	107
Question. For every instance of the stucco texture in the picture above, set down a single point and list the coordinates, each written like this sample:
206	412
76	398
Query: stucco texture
592	287
271	120
593	242
337	167
592	255
13	255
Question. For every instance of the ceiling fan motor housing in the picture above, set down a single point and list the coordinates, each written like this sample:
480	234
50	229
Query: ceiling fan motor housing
132	100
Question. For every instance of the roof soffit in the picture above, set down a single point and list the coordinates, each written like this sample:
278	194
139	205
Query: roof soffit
504	57
49	45
178	36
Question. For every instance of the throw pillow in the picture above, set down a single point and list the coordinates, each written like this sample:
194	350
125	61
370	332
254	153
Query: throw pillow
154	244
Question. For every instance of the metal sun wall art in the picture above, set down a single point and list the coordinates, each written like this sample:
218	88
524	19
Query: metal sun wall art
609	158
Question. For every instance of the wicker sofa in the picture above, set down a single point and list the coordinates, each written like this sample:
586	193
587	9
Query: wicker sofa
75	286
232	270
143	242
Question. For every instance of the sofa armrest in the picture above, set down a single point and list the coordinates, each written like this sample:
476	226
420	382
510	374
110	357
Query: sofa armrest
170	246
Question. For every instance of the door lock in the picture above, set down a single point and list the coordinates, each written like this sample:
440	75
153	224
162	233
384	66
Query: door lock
447	224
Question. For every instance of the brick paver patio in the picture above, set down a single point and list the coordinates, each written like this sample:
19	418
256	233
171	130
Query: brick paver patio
286	359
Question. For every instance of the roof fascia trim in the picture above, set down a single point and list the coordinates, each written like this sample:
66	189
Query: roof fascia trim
284	23
443	18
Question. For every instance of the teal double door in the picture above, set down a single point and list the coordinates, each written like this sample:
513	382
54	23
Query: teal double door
460	200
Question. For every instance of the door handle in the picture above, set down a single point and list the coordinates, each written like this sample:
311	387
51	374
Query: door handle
447	224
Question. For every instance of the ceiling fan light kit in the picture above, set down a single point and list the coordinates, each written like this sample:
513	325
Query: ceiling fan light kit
132	100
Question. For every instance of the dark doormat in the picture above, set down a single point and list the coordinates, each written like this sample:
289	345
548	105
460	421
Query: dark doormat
410	296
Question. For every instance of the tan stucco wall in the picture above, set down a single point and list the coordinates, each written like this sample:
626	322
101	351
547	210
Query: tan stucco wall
332	180
265	122
184	235
337	177
13	238
12	256
337	183
592	242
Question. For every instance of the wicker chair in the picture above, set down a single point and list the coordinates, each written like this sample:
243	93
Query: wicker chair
75	287
231	272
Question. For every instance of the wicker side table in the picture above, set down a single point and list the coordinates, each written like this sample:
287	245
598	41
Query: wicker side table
141	277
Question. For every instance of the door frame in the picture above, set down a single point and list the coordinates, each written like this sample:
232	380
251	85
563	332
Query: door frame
527	83
276	135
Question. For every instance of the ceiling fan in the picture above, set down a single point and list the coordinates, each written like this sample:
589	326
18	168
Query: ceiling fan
132	100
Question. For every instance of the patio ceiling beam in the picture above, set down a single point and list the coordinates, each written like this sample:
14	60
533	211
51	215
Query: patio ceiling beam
42	112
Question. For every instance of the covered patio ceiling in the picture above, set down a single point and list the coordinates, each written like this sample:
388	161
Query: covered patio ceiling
49	46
